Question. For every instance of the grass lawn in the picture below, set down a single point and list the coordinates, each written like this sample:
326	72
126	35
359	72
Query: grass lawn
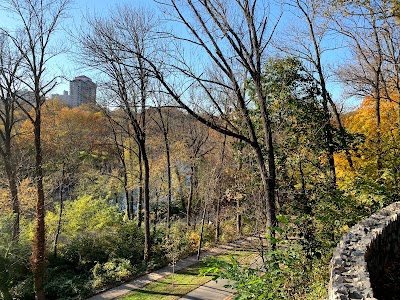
185	281
244	257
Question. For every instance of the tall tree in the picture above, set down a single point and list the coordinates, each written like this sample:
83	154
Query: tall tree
119	134
129	78
311	43
391	66
39	20
196	138
360	24
219	192
163	123
10	70
232	40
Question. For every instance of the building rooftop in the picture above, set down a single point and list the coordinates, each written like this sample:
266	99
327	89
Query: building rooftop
82	77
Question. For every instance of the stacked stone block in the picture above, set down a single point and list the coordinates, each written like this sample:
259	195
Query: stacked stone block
362	254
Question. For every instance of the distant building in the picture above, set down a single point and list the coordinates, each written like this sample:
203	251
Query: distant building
82	90
64	98
26	96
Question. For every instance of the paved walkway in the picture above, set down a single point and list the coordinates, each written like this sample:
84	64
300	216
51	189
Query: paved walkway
210	291
157	275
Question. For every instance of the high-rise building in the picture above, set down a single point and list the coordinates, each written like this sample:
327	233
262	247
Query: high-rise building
82	90
64	98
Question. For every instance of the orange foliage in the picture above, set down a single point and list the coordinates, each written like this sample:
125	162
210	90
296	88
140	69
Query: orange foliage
363	121
67	129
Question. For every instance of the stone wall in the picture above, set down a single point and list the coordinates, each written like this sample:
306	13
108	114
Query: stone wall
362	254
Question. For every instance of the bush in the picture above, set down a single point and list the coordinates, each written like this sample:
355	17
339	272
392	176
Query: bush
84	251
23	290
128	243
208	234
66	284
14	260
111	272
193	241
158	255
281	277
228	229
89	231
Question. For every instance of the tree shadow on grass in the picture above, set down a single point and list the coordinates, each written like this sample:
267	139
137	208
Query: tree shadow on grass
175	284
146	292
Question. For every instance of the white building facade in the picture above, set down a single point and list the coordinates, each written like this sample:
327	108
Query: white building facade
82	90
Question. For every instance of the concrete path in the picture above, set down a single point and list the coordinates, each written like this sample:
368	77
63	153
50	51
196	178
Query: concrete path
140	282
182	264
210	291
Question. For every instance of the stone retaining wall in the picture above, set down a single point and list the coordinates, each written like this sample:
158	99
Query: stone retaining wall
362	254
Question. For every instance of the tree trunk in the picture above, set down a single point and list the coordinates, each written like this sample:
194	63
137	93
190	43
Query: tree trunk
155	220
126	191
140	196
10	169
377	93
330	150
238	218
180	189
167	152
125	171
342	131
268	177
61	194
219	194
201	231
191	193
268	184
147	241
325	99
328	130
39	240
130	203
125	175
379	164
217	221
131	168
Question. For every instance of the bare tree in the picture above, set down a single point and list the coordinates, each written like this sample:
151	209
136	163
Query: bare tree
129	78
391	65
39	20
163	123
219	192
231	37
196	137
311	44
234	37
119	133
391	70
10	62
360	24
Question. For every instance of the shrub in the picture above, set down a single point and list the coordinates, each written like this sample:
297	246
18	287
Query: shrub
14	260
193	241
111	272
128	242
228	229
66	284
23	290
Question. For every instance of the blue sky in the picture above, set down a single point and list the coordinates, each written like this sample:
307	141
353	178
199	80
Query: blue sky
64	65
